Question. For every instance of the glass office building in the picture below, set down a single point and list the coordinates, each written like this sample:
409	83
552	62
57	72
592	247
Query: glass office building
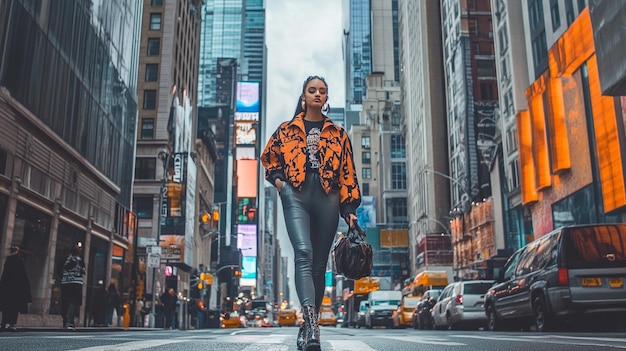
68	110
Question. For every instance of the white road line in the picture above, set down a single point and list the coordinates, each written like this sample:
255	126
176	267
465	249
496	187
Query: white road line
426	340
130	346
544	339
349	345
266	348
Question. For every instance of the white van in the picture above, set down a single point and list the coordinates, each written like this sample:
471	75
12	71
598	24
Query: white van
380	307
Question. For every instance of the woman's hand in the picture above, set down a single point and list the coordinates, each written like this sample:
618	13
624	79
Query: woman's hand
351	219
279	185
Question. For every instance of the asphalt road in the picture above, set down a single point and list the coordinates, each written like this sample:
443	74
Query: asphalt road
283	339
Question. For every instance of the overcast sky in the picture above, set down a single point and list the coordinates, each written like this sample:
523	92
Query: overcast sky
303	38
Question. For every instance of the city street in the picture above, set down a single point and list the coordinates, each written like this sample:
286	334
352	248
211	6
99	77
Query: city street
335	339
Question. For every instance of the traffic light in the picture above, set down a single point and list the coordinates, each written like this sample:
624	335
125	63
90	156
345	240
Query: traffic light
195	285
238	273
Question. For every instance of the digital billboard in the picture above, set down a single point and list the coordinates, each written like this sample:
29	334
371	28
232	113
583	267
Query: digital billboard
247	108
246	239
248	271
246	210
178	209
245	133
180	122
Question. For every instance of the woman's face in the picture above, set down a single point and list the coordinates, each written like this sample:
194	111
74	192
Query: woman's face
315	94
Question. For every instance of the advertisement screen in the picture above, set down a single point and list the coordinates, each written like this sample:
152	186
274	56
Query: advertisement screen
177	209
247	101
247	171
246	239
245	133
248	271
246	211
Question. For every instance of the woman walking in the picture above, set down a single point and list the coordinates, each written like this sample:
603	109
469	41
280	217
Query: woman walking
309	160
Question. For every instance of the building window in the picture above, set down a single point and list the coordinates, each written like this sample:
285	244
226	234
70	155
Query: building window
398	148
152	72
554	13
569	12
367	173
143	206
147	128
365	142
399	210
366	157
154	46
398	175
145	168
487	91
365	188
155	21
486	68
149	99
157	3
514	175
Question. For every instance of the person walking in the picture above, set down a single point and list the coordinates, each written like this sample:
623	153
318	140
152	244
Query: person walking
138	315
98	306
72	286
309	161
169	301
112	303
14	289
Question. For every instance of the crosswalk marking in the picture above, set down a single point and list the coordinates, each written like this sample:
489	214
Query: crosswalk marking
426	340
131	346
349	345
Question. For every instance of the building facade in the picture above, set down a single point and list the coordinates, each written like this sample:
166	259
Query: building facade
169	168
425	131
68	110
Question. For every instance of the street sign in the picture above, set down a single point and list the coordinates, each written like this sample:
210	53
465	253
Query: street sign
154	260
145	242
153	249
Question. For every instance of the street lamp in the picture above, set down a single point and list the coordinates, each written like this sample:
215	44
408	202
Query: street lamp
164	157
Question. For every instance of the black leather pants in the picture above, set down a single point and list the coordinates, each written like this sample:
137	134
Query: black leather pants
311	217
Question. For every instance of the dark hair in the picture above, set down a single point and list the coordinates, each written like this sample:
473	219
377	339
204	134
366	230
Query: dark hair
75	250
299	108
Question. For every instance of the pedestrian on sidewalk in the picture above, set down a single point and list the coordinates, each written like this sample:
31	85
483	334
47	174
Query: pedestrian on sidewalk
14	289
72	286
309	161
113	302
169	301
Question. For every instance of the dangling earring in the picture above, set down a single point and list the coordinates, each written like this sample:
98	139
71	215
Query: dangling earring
303	105
326	108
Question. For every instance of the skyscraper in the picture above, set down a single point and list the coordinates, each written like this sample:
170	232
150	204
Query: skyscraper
358	46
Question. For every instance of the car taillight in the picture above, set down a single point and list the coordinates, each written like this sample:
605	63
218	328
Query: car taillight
459	299
563	276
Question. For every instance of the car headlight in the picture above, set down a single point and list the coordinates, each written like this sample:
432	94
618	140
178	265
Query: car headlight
372	312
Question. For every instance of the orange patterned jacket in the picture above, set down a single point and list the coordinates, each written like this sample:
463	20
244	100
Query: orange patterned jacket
285	157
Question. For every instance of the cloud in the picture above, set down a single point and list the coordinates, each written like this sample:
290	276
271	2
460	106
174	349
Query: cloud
303	37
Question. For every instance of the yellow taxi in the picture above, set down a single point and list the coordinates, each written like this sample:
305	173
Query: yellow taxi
230	320
327	317
403	316
287	318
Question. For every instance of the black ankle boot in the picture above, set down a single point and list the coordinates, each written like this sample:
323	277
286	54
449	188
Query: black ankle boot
311	329
300	342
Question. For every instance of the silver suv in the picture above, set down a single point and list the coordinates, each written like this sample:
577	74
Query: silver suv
573	271
461	305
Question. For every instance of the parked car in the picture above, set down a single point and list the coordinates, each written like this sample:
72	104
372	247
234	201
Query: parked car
461	305
422	318
402	315
361	314
572	272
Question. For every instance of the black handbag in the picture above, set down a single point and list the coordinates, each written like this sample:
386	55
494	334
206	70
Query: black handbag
353	255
